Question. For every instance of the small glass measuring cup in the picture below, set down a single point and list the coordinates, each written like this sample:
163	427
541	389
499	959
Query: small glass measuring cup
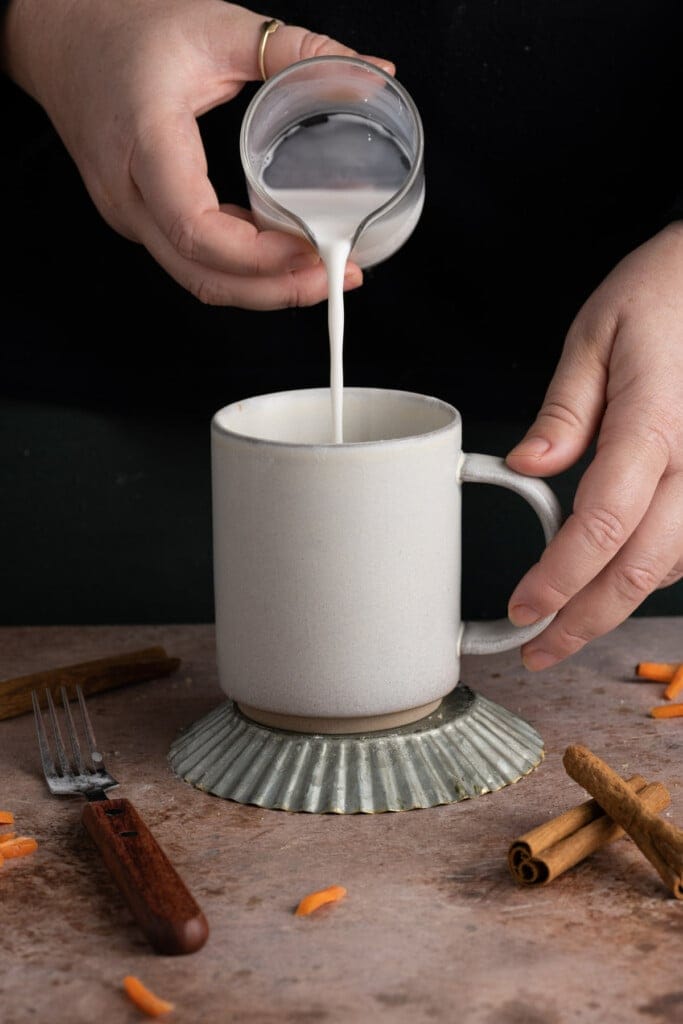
341	132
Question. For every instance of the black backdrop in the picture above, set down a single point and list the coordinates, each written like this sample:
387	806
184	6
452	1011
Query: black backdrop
551	136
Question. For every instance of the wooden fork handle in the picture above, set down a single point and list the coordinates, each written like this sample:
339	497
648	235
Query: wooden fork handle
160	901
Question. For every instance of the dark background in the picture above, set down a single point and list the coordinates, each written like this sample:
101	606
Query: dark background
551	152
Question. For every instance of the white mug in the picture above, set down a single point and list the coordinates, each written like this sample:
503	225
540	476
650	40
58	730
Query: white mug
337	567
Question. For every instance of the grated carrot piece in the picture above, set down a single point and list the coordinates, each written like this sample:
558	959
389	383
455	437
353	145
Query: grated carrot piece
316	899
144	998
667	711
676	684
656	671
7	837
19	847
6	818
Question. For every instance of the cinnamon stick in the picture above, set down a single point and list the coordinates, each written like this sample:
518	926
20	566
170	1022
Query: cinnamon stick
660	842
93	676
547	851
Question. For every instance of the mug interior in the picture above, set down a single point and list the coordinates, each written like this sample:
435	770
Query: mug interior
304	417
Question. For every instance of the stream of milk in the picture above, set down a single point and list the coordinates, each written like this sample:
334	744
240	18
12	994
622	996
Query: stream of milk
332	172
333	217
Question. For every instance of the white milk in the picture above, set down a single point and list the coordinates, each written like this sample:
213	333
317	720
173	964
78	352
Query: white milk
333	217
332	172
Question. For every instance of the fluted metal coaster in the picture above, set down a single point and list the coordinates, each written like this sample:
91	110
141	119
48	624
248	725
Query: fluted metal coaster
467	747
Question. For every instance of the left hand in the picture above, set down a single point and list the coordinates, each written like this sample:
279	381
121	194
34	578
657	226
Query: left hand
619	380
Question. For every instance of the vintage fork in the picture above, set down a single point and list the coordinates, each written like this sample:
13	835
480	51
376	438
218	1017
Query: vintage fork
157	896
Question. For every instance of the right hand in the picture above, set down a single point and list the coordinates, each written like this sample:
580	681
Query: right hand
123	84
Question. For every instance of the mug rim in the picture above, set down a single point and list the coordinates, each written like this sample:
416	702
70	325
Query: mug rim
455	420
265	87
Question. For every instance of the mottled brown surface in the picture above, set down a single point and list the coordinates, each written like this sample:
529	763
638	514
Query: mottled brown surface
433	928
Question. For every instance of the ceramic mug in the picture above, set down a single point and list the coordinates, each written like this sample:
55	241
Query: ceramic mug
337	567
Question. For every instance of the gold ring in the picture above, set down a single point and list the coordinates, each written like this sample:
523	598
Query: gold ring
267	30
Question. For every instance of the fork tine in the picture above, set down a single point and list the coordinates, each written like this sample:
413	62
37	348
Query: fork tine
59	743
89	779
49	768
75	746
95	754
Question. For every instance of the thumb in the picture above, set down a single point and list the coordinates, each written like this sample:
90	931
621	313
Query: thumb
572	407
290	43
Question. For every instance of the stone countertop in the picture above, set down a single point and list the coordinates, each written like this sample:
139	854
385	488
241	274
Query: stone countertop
433	927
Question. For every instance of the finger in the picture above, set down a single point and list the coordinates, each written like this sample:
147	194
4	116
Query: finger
212	287
674	575
573	404
168	167
611	500
291	43
238	46
651	556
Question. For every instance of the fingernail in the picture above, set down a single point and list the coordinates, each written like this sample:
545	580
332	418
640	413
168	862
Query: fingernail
385	65
353	277
532	446
537	660
523	615
304	261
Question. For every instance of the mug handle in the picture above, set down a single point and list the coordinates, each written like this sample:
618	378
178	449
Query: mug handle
500	634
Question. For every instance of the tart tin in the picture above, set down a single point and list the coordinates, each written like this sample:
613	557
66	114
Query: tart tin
468	747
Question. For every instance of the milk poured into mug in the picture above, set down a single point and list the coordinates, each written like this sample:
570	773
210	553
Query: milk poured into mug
333	171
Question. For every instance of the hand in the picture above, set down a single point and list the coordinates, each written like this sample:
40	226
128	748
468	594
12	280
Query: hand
123	84
619	380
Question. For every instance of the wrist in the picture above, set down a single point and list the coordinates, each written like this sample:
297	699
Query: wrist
26	29
15	34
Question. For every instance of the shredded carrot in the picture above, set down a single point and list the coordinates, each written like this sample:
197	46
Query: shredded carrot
19	847
676	684
6	818
7	837
316	899
656	671
662	711
145	999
